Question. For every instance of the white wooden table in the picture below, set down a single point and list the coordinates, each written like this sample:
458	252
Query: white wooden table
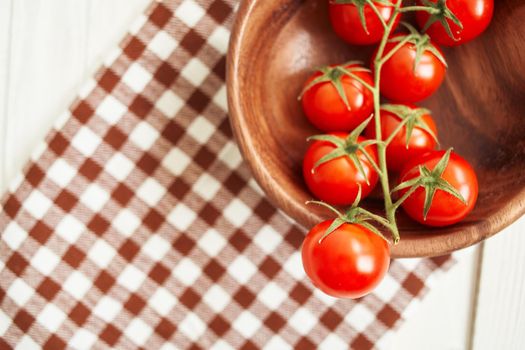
49	47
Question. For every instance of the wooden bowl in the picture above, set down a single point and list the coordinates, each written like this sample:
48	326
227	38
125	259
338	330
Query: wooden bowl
479	109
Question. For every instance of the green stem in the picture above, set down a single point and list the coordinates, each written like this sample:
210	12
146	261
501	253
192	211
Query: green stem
396	48
374	164
419	8
381	146
398	128
378	14
404	197
377	218
358	79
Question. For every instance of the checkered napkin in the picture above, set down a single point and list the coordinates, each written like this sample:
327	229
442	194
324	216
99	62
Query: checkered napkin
136	224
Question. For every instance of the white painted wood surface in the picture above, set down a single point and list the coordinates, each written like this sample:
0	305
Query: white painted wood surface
442	320
500	312
48	48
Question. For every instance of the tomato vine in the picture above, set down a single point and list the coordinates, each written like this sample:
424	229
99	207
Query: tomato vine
422	43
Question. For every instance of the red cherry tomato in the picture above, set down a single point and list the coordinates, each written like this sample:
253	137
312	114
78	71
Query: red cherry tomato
445	208
398	152
337	181
403	81
348	263
326	109
474	15
347	23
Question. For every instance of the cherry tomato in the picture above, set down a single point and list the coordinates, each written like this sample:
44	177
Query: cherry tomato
337	181
347	23
445	209
348	263
398	151
326	108
404	81
474	15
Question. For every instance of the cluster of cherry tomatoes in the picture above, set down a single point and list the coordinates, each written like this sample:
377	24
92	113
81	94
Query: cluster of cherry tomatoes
345	257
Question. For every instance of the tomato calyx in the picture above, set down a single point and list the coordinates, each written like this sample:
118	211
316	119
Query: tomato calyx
431	181
348	148
354	215
421	43
360	5
334	76
410	118
441	13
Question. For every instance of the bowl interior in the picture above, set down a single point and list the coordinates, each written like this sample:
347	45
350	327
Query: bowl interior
479	110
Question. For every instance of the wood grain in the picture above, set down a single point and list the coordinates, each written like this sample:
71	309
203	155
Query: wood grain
103	24
479	109
5	43
500	319
446	309
48	49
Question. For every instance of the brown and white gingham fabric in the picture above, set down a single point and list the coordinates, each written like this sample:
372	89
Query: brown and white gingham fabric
136	224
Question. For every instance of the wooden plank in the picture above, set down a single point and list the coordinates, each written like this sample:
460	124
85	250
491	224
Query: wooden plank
48	48
5	45
442	319
500	314
55	47
108	23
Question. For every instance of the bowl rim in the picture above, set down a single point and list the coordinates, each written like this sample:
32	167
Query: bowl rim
409	247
